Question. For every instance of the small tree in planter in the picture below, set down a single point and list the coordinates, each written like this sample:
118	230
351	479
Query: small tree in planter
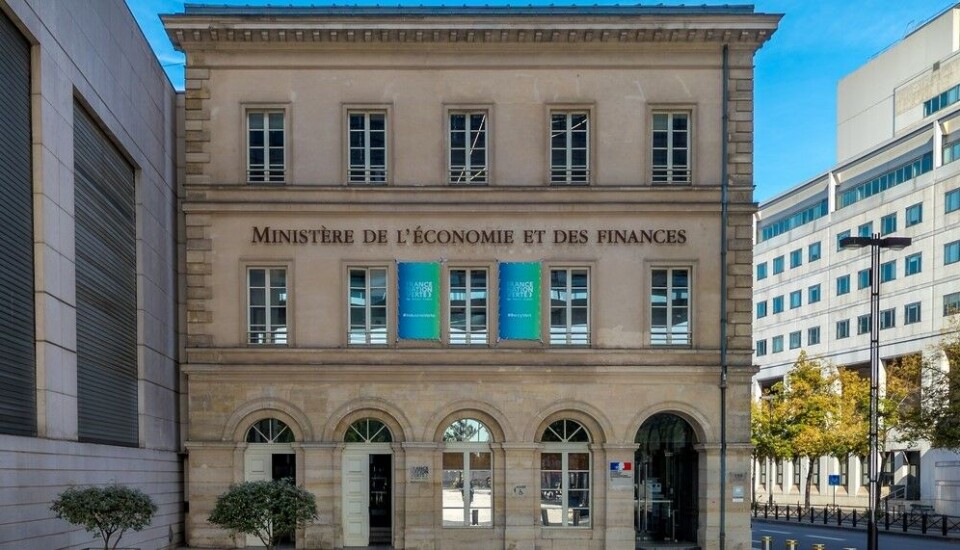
105	511
268	510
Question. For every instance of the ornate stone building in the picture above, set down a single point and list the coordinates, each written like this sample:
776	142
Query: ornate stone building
460	272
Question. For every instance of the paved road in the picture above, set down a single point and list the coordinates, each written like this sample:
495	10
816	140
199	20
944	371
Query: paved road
838	539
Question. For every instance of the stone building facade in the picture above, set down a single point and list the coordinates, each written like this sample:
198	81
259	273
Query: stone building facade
458	271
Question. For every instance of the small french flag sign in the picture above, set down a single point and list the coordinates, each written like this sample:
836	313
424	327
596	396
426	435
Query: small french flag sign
621	466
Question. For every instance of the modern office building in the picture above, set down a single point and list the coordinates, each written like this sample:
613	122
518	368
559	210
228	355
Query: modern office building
460	271
898	139
88	330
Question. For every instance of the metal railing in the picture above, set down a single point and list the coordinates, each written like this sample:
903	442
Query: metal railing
922	522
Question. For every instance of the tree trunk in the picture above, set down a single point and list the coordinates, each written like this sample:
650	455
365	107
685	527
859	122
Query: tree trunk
809	483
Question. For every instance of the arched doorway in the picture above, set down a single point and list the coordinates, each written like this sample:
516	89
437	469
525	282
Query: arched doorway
269	455
367	479
667	488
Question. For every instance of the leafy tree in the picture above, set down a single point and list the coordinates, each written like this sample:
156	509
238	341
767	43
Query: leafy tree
935	415
268	510
105	511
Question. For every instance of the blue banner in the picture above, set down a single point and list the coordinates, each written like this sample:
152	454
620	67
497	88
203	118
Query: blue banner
520	301
418	303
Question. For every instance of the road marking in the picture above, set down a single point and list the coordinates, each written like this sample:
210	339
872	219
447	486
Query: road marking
825	538
774	531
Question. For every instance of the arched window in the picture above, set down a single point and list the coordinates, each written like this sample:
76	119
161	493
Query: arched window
565	475
368	430
270	430
467	475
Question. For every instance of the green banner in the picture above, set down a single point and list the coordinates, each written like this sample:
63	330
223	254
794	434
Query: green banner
520	301
418	316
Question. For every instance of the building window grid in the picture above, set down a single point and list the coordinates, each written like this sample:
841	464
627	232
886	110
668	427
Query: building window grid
671	148
468	148
911	313
796	258
570	148
843	285
468	306
266	153
569	306
368	305
670	306
368	147
793	220
267	305
951	253
951	201
905	172
813	294
813	252
843	329
913	214
888	224
813	336
913	264
795	339
941	101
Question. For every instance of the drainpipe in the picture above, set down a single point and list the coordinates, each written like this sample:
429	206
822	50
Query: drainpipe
724	218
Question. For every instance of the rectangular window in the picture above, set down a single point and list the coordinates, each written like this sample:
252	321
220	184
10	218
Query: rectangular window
796	258
761	309
951	201
888	224
671	148
843	329
796	299
267	305
777	343
763	472
844	470
863	279
368	147
670	307
840	236
951	303
863	324
792	219
888	271
796	472
813	294
813	252
888	318
913	214
843	285
761	348
913	264
368	305
892	178
865	230
795	339
815	477
466	489
778	265
570	148
565	489
911	313
468	147
762	271
468	306
777	304
779	466
864	471
570	306
951	253
266	155
813	336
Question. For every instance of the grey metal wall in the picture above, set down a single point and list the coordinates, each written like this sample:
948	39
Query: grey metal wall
106	252
18	414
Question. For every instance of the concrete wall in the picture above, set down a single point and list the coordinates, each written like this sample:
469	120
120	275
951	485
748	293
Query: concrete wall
94	51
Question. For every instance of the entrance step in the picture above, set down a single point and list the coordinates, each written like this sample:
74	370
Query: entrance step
654	545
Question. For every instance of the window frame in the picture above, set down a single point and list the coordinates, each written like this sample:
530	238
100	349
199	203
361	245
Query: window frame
368	109
777	304
389	305
761	271
863	323
468	305
811	257
888	271
842	329
813	336
918	208
796	299
951	252
908	316
776	344
449	112
778	265
840	236
814	293
888	224
668	177
844	288
565	449
913	264
795	339
761	347
571	179
246	300
864	278
690	305
951	201
266	109
951	304
865	229
796	258
568	307
761	309
888	318
465	449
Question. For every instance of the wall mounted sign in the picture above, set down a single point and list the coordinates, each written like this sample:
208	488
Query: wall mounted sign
621	475
419	474
520	301
418	303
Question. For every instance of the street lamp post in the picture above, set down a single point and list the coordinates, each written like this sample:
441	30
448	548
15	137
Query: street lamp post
876	243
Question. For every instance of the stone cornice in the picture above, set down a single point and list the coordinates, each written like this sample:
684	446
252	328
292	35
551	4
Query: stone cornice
439	26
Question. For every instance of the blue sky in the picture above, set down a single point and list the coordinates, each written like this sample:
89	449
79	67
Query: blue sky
818	42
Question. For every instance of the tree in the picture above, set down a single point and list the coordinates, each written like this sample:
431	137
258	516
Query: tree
105	511
268	510
935	415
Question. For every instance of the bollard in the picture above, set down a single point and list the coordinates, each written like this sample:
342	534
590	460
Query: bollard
791	544
766	542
